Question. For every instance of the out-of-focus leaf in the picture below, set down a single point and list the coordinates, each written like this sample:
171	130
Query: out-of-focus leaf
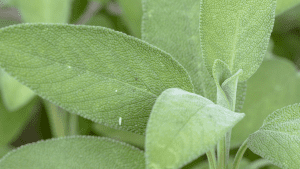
78	7
284	5
183	126
273	86
100	74
101	20
12	123
278	139
132	14
75	152
14	94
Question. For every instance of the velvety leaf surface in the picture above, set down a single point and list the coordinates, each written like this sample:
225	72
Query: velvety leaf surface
183	126
278	139
273	86
94	72
236	32
75	152
284	5
173	26
46	11
12	123
14	94
132	14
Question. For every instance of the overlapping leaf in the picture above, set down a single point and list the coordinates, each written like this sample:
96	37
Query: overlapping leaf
236	32
75	152
95	72
278	139
273	86
183	126
284	5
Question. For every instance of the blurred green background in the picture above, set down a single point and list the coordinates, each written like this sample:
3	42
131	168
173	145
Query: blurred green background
273	86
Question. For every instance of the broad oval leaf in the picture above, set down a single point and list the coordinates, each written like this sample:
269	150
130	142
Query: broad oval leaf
173	26
183	126
236	32
75	152
273	86
100	74
278	139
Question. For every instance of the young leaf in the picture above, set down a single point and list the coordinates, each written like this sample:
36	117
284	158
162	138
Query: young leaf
236	32
273	86
14	94
75	152
12	123
173	26
100	74
278	139
183	126
284	5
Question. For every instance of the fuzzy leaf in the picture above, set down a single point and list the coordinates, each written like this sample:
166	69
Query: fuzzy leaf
236	32
100	74
278	139
273	86
183	126
75	152
173	26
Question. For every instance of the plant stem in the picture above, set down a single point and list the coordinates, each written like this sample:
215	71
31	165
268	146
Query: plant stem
73	124
211	156
58	119
239	155
259	163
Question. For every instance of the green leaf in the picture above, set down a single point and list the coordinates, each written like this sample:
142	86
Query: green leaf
132	15
100	74
75	152
183	126
273	86
100	20
12	123
46	11
284	5
163	20
236	32
120	135
204	165
278	139
14	94
4	150
78	7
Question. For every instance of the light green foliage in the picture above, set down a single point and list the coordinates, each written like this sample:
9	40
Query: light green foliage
120	135
132	15
273	86
14	94
4	150
204	165
46	11
183	126
236	32
75	152
12	123
173	26
284	5
95	72
278	139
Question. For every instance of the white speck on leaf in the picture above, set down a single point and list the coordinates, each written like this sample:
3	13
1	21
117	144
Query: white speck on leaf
69	66
120	121
116	90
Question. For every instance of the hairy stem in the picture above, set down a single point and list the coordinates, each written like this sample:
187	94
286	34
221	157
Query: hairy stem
239	155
